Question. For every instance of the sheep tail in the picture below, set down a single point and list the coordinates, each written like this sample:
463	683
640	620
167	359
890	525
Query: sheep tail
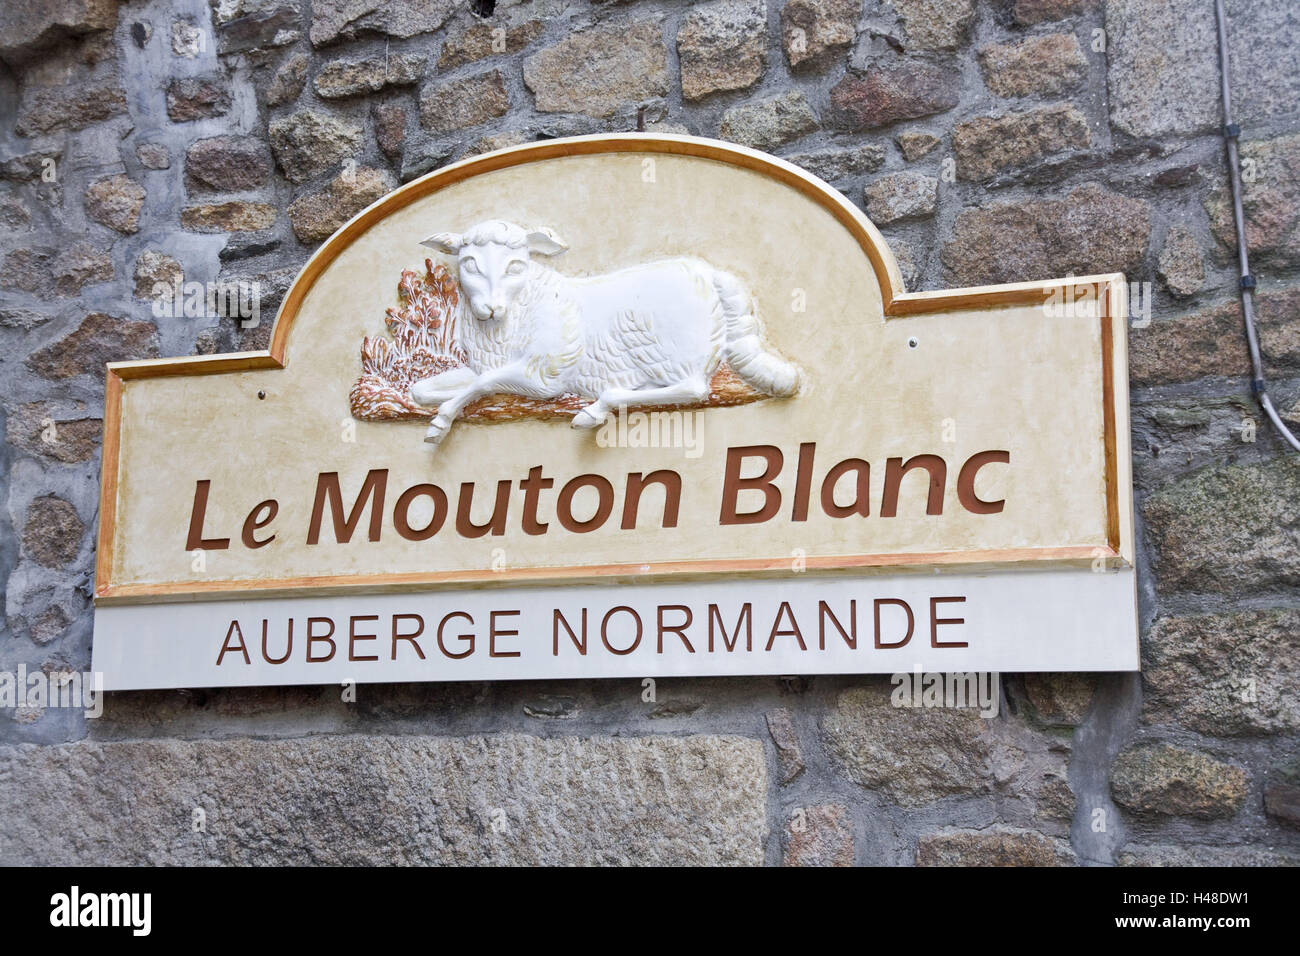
744	345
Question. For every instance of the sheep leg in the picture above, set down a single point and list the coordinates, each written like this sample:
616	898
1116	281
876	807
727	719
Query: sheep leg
512	378
686	391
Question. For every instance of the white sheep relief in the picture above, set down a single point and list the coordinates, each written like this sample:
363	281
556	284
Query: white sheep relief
653	334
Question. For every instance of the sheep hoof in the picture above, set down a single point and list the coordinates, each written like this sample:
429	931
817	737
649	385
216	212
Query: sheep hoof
586	418
437	431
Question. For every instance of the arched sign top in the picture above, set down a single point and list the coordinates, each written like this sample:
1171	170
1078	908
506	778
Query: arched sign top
873	244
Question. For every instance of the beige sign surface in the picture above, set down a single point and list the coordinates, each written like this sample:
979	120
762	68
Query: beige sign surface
638	356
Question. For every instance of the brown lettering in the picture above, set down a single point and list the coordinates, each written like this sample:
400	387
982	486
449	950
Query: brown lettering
672	483
253	523
372	491
911	622
564	505
733	484
966	483
936	621
194	540
895	469
419	629
402	516
496	524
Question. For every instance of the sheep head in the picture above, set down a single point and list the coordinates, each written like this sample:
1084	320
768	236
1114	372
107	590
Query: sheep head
493	259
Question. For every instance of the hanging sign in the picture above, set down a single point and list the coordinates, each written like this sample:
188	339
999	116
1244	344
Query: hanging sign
628	405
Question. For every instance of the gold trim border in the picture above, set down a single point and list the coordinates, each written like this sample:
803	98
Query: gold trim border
897	304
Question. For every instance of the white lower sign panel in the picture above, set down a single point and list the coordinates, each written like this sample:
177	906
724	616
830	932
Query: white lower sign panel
1006	621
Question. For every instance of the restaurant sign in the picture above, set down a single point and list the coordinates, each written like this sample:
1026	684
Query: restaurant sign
623	406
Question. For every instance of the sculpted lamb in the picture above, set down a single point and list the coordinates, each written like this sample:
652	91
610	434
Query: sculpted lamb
649	334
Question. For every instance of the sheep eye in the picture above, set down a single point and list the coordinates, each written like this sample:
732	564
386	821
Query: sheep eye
470	266
515	268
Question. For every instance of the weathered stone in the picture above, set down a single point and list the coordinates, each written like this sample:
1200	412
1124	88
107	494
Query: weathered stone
1282	793
28	270
935	24
44	109
234	216
814	33
913	756
227	164
495	141
153	156
50	625
481	40
98	340
288	81
1229	530
916	145
78	266
1029	12
43	430
29	27
14	213
722	45
1092	230
1168	780
1213	341
989	144
52	532
24	319
422	154
901	196
317	216
197	97
365	799
115	201
789	756
187	39
995	846
1193	855
244	25
890	93
819	836
1060	699
390	128
333	20
1270	201
308	142
246	246
31	166
552	707
1052	796
152	268
1180	266
675	707
1224	674
840	161
457	104
1163	70
597	70
1038	66
769	123
908	265
341	78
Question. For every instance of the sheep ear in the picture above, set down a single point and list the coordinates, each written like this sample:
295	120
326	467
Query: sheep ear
545	242
448	242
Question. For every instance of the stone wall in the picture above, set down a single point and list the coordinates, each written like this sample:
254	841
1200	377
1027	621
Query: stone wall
991	140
